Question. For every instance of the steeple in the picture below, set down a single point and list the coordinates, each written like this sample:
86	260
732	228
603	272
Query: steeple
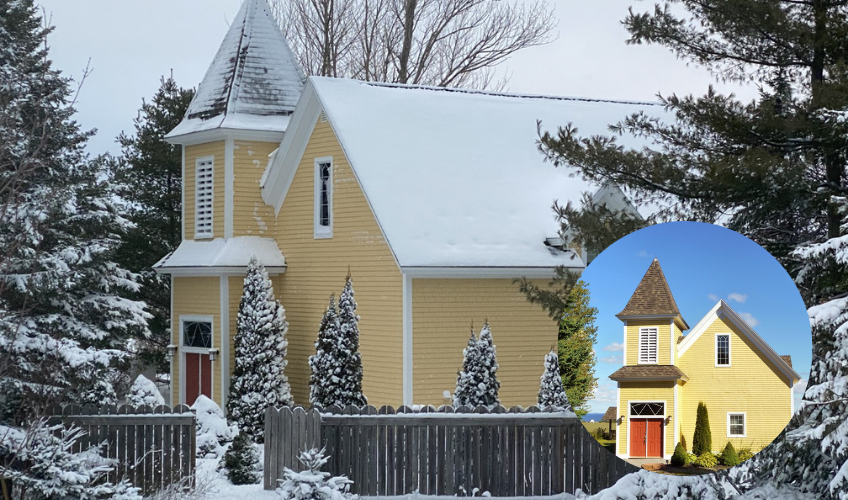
253	83
653	297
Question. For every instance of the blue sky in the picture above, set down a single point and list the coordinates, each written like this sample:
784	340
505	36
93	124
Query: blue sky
702	264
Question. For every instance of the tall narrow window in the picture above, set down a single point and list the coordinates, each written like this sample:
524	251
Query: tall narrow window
722	350
204	168
648	345
323	198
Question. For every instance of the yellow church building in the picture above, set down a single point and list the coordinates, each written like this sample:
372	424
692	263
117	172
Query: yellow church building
722	362
434	199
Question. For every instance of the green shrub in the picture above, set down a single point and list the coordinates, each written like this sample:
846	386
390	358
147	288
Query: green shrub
706	460
241	461
598	433
680	457
702	442
729	457
745	454
692	457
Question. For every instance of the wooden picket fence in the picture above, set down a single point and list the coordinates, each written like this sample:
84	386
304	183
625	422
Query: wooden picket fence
152	447
445	451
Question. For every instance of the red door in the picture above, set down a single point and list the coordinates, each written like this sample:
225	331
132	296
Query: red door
655	437
638	431
198	376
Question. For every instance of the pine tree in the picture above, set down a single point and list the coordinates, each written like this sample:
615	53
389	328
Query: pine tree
576	348
729	456
702	441
477	383
144	392
241	461
313	483
64	324
551	390
149	176
258	380
337	364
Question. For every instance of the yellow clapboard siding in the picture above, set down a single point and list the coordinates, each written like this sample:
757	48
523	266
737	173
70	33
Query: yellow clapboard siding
751	384
663	341
196	297
442	313
192	153
317	268
251	216
646	391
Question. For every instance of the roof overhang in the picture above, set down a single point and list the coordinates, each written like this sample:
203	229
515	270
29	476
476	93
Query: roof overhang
484	272
724	311
222	256
202	271
222	133
670	378
678	319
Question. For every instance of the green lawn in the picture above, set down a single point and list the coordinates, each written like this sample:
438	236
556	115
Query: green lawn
609	445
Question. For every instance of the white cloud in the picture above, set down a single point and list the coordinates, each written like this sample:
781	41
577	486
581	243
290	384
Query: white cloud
605	393
644	253
798	392
737	297
713	297
615	346
750	319
611	360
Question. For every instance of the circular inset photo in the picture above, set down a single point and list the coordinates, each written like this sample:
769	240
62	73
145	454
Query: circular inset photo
703	348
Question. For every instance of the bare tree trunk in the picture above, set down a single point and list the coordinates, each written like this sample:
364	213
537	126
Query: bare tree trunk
409	7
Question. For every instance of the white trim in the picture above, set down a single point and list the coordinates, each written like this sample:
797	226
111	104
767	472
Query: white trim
182	350
197	234
482	272
715	353
197	271
319	231
675	417
618	417
182	195
171	371
744	424
671	347
229	190
407	340
791	401
652	417
656	352
624	357
224	356
721	309
223	133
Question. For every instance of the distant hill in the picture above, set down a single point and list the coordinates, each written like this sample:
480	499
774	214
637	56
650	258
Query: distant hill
593	416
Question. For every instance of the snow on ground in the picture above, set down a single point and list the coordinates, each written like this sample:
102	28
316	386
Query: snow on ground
214	485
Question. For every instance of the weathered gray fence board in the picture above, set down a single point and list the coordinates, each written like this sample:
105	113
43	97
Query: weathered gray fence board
443	452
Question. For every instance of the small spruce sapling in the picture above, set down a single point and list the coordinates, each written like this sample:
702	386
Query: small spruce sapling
702	442
144	392
551	391
241	461
312	483
680	457
477	383
729	456
350	388
258	380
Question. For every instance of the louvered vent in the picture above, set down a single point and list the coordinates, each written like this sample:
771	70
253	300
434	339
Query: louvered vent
203	199
647	345
323	117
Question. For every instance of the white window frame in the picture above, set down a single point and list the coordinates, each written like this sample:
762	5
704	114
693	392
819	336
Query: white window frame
183	319
744	424
656	360
211	231
715	357
322	232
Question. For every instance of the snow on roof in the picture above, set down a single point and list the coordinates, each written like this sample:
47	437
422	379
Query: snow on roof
220	252
254	80
455	177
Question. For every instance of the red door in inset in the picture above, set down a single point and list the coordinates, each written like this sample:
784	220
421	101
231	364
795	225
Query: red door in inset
198	376
655	437
638	431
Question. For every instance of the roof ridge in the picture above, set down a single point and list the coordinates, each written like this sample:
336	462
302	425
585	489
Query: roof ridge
652	296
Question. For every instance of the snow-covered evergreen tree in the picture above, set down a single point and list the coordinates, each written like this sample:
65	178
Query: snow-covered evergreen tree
337	364
312	483
477	383
258	380
213	431
551	391
144	392
241	461
63	320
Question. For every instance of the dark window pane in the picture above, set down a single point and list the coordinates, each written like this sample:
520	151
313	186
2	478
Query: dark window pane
723	350
324	213
197	334
647	409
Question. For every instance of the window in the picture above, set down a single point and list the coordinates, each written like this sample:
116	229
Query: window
647	409
722	350
197	334
323	198
736	425
204	169
648	345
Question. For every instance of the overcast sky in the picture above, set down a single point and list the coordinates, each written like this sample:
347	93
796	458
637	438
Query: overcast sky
133	43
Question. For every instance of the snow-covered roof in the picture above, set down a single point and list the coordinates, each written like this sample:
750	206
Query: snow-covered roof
254	81
454	177
222	253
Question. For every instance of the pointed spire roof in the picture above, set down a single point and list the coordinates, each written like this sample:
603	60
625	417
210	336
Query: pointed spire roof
254	81
653	297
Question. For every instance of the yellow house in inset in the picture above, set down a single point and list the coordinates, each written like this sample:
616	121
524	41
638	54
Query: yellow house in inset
722	362
435	200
